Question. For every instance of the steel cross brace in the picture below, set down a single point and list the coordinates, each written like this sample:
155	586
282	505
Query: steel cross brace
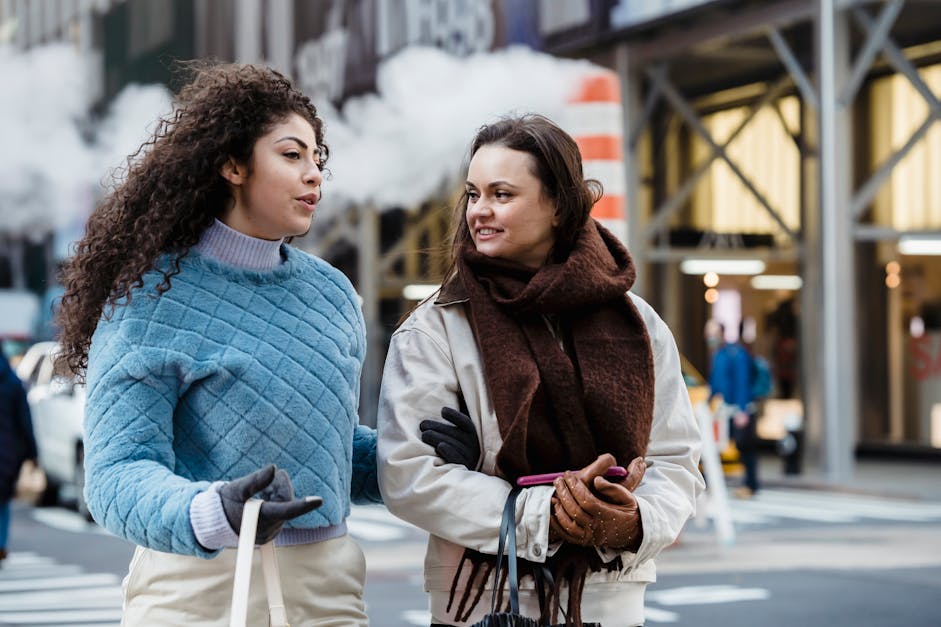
660	82
896	58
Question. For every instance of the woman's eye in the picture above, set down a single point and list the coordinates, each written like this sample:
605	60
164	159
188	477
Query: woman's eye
292	155
502	195
472	196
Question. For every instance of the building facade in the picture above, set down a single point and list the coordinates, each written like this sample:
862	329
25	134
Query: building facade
780	161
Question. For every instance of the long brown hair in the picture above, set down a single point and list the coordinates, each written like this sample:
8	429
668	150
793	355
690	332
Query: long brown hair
558	166
172	193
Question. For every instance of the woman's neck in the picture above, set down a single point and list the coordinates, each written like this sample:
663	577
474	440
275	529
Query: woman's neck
234	248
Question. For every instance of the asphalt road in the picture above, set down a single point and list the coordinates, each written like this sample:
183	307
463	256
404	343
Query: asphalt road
799	558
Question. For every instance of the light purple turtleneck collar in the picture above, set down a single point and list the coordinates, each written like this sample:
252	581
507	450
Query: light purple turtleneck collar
234	248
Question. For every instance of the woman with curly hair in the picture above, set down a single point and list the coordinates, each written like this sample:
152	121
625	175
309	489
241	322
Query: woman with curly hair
221	362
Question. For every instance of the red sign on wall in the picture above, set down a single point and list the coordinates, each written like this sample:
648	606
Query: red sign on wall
926	356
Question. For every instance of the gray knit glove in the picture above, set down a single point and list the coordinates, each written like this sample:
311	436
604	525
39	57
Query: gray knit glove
273	486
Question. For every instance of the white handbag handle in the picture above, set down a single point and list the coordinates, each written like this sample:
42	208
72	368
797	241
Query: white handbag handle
243	572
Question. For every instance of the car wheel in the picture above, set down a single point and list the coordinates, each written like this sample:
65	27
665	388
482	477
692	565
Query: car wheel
81	506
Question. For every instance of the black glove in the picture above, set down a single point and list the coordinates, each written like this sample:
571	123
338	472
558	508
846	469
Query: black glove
278	493
455	443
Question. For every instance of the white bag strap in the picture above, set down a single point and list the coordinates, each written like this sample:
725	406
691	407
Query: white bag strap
277	614
243	572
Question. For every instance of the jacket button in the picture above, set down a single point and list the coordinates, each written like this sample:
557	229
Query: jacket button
537	550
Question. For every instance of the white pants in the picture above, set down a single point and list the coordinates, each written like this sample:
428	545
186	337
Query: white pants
323	586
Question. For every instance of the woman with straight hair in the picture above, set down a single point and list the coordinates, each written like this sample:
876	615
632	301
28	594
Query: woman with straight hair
559	368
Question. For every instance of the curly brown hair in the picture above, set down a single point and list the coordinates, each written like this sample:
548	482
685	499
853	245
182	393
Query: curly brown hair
172	193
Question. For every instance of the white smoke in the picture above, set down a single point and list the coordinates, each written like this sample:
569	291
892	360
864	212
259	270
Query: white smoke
53	158
402	145
44	160
395	148
131	120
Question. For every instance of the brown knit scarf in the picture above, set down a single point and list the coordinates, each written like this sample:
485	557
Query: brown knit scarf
558	410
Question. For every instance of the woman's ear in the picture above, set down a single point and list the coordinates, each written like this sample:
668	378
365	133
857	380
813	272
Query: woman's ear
233	172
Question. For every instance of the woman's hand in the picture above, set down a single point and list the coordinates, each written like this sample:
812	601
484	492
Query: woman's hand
612	521
274	486
455	443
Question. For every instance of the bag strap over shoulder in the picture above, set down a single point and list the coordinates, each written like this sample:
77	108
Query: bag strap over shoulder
243	572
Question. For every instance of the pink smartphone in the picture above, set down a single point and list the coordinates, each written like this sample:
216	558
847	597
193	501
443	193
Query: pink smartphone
614	472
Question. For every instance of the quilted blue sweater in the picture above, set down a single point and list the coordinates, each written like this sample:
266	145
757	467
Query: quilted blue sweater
225	372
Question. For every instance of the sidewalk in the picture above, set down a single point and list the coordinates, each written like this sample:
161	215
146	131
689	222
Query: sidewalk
887	478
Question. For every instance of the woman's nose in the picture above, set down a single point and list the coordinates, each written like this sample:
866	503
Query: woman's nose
479	208
313	176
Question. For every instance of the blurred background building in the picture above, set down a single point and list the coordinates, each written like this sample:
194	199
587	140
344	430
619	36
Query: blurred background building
769	162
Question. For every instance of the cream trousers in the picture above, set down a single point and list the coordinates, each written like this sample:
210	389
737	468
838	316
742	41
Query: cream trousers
323	586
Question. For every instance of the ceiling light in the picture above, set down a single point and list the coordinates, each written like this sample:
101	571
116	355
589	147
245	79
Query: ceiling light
777	282
919	245
722	266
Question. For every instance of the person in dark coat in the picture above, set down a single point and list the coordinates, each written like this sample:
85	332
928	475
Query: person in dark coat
17	443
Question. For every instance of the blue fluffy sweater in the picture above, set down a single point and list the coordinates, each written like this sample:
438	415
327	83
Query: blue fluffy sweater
225	372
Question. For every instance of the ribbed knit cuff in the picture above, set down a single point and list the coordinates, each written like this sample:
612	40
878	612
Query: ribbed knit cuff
207	517
234	248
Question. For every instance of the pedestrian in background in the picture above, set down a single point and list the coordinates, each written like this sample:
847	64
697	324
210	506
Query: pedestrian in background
731	378
17	443
558	368
222	362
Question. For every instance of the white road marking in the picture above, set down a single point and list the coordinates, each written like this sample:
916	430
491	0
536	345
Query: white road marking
59	617
655	615
52	583
707	595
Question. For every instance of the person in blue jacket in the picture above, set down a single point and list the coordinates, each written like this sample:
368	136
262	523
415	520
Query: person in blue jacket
731	377
222	362
17	443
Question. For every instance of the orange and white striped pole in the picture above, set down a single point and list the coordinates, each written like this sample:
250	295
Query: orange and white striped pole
594	120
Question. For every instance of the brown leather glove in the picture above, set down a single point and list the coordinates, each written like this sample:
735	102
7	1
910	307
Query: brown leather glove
613	521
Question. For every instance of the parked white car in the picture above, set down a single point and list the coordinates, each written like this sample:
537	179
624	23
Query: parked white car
58	406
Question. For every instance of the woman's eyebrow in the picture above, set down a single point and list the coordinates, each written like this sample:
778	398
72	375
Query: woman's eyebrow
300	142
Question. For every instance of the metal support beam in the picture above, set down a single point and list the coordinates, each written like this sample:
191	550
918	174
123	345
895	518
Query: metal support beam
787	129
650	103
716	32
793	66
896	58
874	42
248	31
280	35
686	111
368	286
867	191
840	377
633	118
665	211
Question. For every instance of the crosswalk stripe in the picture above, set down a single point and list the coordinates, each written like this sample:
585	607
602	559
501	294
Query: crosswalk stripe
656	615
52	583
35	572
867	507
85	598
365	530
26	558
707	595
35	590
59	617
782	510
770	505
